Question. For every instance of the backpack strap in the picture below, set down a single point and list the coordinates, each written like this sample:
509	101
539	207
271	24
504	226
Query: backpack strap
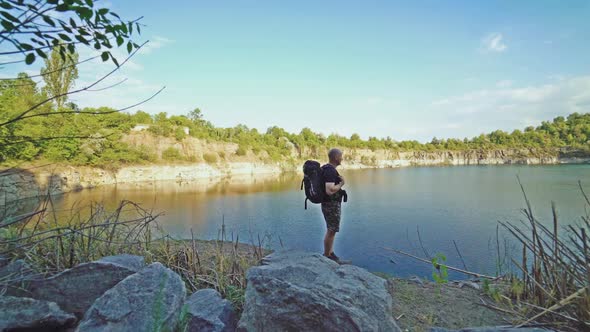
302	184
306	203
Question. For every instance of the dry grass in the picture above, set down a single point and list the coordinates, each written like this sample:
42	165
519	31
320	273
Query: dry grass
554	284
51	241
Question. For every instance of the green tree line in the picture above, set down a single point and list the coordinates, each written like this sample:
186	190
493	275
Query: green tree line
95	139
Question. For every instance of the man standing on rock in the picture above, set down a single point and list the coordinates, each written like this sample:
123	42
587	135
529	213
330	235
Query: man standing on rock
331	206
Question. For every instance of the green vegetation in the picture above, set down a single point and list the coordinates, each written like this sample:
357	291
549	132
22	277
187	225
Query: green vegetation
93	136
95	139
440	273
32	27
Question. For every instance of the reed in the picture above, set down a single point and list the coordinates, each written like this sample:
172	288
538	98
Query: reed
554	278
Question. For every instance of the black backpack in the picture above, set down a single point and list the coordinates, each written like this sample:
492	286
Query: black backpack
313	182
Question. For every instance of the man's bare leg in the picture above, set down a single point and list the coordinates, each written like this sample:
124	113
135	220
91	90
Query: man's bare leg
329	242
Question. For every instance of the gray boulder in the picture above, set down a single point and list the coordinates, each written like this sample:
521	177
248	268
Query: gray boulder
21	313
15	276
149	300
206	311
298	291
76	289
491	329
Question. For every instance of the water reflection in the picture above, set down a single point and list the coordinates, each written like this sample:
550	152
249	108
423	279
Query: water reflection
385	208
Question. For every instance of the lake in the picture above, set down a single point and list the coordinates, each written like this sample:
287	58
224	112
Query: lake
386	207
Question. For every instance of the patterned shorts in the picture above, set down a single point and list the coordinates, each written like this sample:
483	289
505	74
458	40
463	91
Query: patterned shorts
331	211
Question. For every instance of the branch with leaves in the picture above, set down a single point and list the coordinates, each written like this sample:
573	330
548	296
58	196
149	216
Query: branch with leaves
32	27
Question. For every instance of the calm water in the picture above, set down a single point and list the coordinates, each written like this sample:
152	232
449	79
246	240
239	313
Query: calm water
385	208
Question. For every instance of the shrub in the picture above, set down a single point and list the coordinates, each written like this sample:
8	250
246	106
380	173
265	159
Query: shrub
210	157
171	153
241	151
179	134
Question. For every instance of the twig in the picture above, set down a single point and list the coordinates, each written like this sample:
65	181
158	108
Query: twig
460	256
555	306
478	275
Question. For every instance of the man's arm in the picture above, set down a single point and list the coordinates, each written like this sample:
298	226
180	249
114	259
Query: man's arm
332	188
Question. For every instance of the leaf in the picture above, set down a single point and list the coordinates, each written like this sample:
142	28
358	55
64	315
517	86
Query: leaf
30	58
26	47
120	41
5	5
52	2
65	26
82	40
64	37
97	45
89	3
62	8
104	56
115	60
41	53
103	11
83	12
48	20
37	41
129	47
73	23
72	48
9	16
115	15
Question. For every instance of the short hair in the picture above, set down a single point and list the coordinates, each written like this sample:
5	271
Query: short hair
333	153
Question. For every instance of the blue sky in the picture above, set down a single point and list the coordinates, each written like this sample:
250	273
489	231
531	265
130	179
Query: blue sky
409	70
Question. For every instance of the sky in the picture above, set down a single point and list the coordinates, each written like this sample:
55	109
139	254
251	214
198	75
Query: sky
407	70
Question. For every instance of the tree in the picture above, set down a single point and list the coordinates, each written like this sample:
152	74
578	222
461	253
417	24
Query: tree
59	75
196	115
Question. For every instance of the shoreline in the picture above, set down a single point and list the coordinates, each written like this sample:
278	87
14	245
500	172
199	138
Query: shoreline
60	179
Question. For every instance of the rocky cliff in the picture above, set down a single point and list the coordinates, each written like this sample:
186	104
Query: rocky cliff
31	182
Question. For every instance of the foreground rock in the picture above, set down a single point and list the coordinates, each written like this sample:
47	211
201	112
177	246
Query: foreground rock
20	313
206	311
149	300
76	289
14	277
297	291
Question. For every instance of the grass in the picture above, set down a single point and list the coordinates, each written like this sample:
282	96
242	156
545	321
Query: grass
51	241
553	286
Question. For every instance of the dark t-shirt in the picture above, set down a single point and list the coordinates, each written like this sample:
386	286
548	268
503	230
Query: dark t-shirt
330	174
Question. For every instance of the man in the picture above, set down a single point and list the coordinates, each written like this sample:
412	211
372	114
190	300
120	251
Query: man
331	205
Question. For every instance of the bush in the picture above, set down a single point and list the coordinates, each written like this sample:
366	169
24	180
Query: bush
171	154
179	134
241	151
145	153
210	157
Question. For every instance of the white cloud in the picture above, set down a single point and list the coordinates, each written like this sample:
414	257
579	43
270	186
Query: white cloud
510	107
504	84
155	43
493	43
